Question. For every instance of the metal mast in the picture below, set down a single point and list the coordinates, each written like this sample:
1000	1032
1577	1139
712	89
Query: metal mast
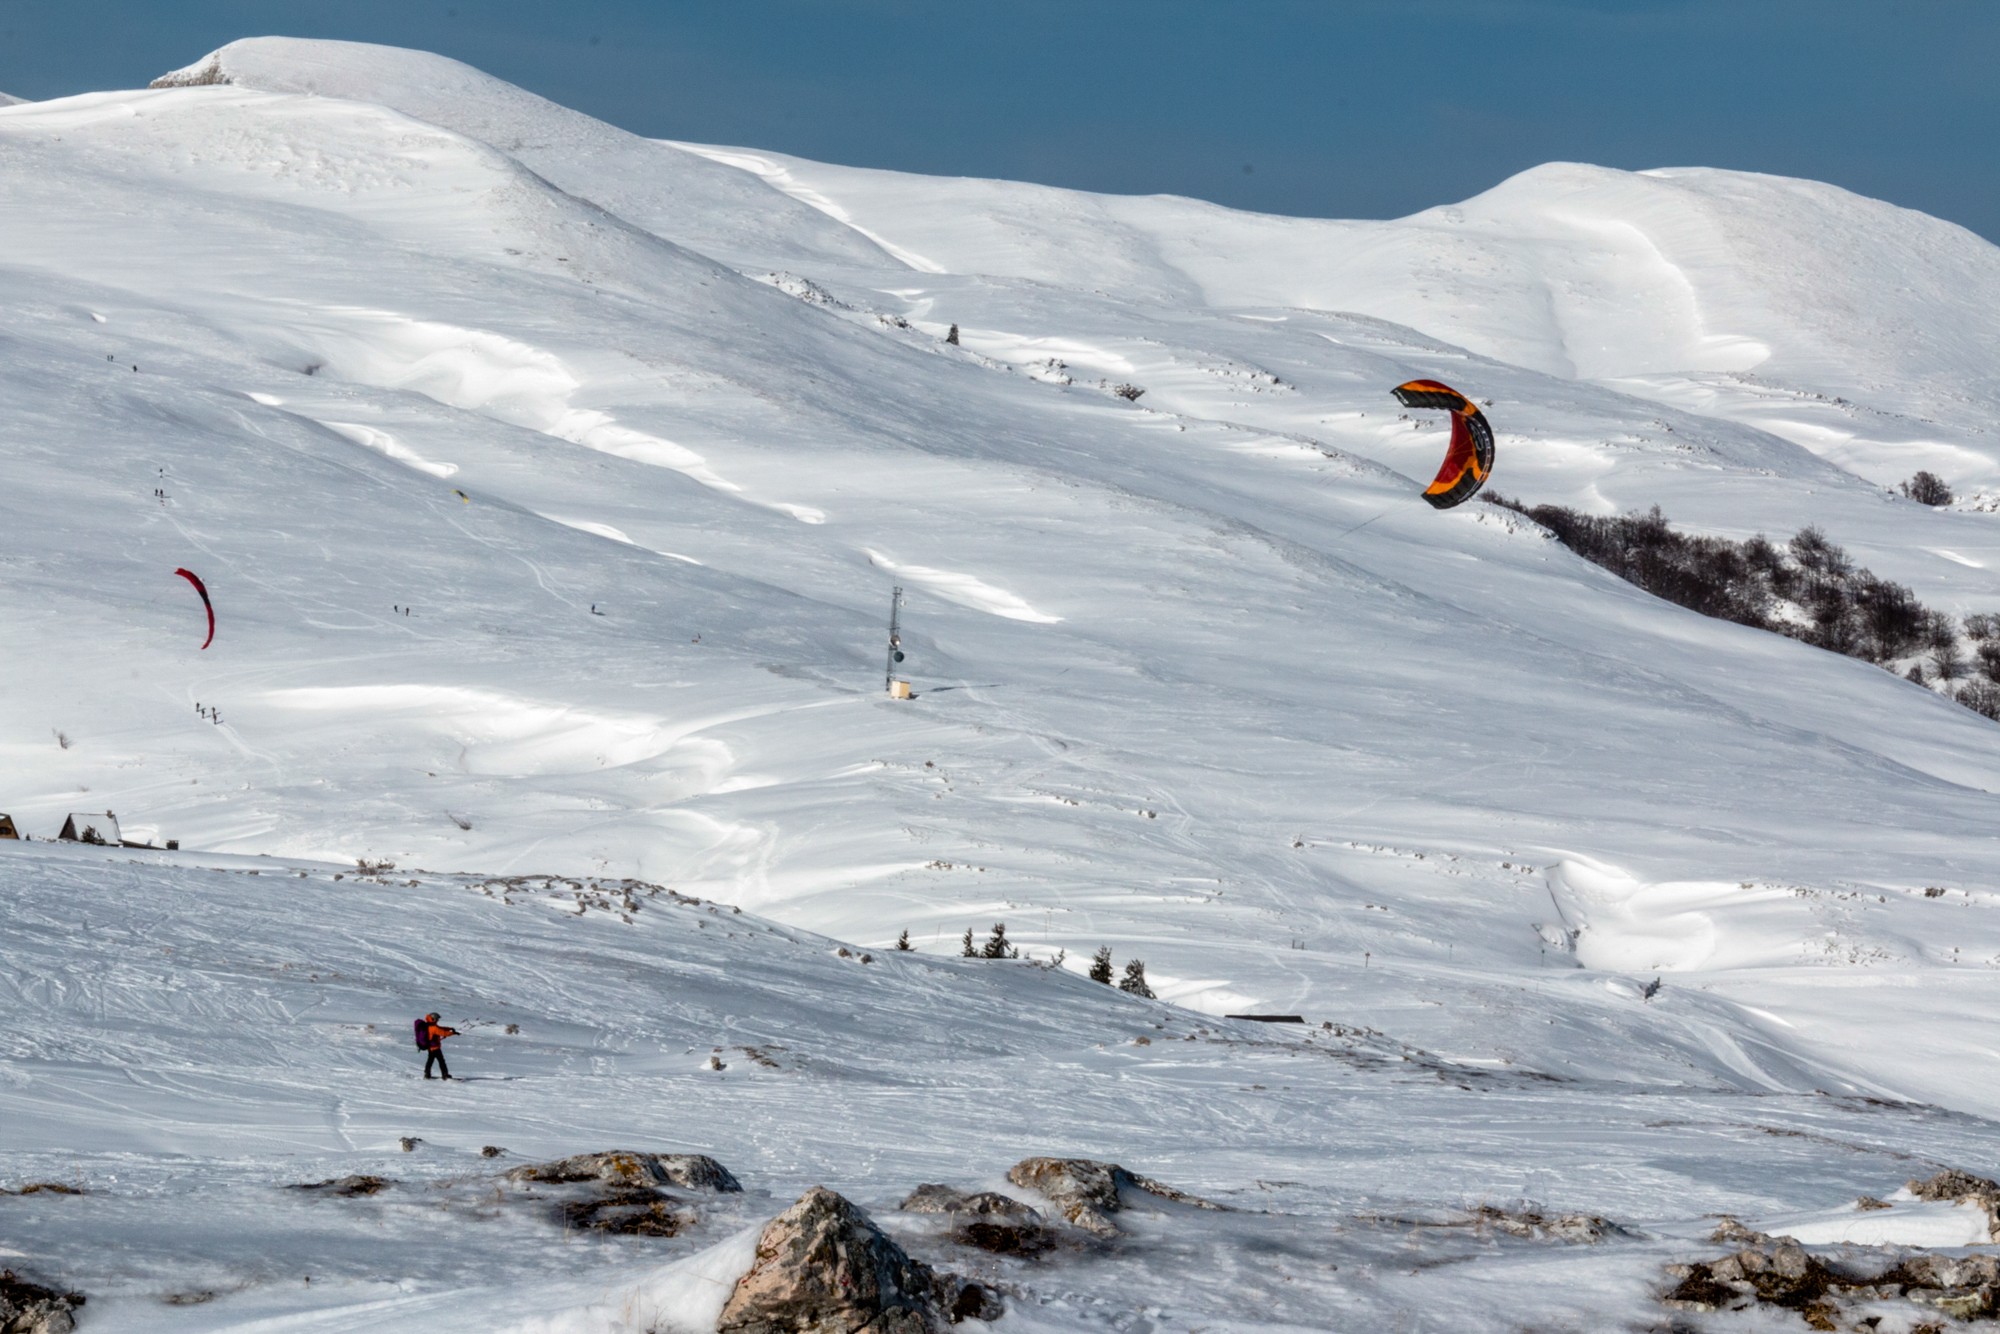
895	637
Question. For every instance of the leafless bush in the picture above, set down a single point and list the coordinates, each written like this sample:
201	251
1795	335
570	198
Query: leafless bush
1982	697
1927	488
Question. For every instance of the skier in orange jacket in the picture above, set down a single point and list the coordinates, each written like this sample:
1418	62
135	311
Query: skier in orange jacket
430	1038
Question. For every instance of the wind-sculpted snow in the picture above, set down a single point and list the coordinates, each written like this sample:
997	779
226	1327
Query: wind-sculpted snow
1754	297
676	194
550	486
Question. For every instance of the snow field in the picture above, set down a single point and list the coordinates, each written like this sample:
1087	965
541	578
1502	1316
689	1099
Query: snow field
426	370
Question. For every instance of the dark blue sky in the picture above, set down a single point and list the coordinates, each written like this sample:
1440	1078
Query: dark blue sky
1340	108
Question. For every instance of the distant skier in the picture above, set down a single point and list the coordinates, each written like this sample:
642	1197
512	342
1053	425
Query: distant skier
430	1038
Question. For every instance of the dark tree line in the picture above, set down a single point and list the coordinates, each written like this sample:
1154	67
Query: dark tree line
1809	589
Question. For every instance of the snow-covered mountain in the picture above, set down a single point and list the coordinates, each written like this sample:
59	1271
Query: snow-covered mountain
550	484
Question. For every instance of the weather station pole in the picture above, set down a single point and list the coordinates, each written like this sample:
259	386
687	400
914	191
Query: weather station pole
889	681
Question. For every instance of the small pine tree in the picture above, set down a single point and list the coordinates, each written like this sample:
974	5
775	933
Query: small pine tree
1100	965
952	337
1134	981
966	948
997	946
903	941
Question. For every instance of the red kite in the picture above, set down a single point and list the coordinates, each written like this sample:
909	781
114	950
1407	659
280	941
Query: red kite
206	605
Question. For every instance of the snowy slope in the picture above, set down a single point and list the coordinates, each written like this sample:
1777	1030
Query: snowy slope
642	435
1727	291
678	195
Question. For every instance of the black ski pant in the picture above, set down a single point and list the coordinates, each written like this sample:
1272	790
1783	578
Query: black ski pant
436	1058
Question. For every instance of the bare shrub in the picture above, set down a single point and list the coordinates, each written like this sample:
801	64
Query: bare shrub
1927	488
1982	697
1982	625
1843	607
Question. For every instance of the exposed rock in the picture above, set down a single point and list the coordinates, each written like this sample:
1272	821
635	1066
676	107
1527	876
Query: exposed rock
1533	1223
1783	1273
490	1151
1945	1271
409	1143
1732	1230
628	1213
622	1167
984	1219
823	1267
1086	1191
1952	1184
206	76
1867	1202
46	1188
1963	1188
346	1187
30	1308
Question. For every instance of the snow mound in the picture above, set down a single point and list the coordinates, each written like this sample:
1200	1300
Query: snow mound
677	195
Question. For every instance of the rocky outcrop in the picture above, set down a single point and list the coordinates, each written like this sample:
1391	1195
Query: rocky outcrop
205	76
30	1308
1963	1188
1086	1192
823	1267
989	1221
1783	1273
622	1167
628	1211
624	1195
1532	1223
346	1187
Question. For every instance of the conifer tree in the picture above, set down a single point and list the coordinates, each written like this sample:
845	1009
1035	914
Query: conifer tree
1134	980
1100	965
903	941
966	948
997	946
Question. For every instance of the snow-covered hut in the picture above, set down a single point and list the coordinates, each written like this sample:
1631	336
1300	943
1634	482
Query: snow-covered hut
91	827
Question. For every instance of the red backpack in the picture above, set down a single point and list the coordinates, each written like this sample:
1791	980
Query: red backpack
423	1035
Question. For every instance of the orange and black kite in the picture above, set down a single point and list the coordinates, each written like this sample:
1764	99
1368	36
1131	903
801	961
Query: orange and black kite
1469	460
